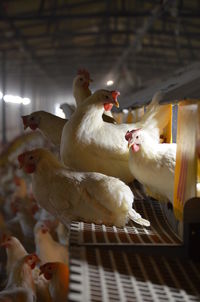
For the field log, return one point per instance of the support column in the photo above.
(22, 87)
(3, 79)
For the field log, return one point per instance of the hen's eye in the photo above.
(81, 79)
(31, 157)
(137, 136)
(107, 97)
(32, 118)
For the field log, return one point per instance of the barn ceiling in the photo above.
(45, 41)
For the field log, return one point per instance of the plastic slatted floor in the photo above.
(106, 275)
(159, 233)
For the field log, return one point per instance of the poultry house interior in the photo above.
(99, 150)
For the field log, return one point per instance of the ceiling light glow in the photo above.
(1, 95)
(9, 98)
(26, 101)
(109, 83)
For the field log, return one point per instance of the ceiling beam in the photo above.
(118, 14)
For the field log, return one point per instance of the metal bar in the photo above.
(103, 32)
(132, 48)
(3, 77)
(19, 36)
(119, 14)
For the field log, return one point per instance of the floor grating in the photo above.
(159, 233)
(107, 275)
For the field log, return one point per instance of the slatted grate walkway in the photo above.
(107, 275)
(159, 233)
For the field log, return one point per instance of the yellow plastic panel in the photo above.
(166, 133)
(186, 156)
(198, 154)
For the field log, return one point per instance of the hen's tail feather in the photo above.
(136, 217)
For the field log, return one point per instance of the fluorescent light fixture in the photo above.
(58, 111)
(1, 95)
(9, 98)
(26, 101)
(109, 83)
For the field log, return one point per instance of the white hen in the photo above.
(68, 195)
(20, 287)
(50, 125)
(58, 275)
(47, 248)
(81, 92)
(14, 250)
(90, 144)
(152, 164)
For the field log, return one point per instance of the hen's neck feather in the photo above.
(80, 94)
(14, 252)
(47, 162)
(21, 275)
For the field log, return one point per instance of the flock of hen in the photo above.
(84, 181)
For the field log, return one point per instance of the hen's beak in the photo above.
(130, 143)
(25, 121)
(115, 95)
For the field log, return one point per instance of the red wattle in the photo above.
(44, 231)
(86, 85)
(135, 148)
(30, 168)
(21, 158)
(33, 265)
(108, 106)
(48, 276)
(33, 126)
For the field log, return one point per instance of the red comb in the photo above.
(128, 135)
(115, 94)
(85, 73)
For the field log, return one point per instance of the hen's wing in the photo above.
(68, 109)
(88, 196)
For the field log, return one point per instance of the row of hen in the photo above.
(86, 179)
(29, 236)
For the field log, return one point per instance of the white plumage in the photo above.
(92, 197)
(14, 250)
(47, 248)
(20, 287)
(90, 144)
(50, 125)
(152, 164)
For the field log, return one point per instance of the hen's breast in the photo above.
(155, 171)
